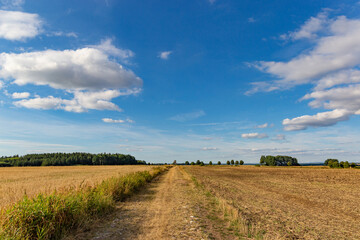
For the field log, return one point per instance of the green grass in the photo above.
(51, 216)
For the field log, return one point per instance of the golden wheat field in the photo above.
(287, 202)
(17, 181)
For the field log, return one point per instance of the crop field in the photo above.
(286, 202)
(17, 181)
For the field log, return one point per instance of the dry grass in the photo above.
(18, 181)
(288, 202)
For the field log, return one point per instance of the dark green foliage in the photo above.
(334, 163)
(210, 163)
(228, 162)
(187, 163)
(202, 164)
(68, 159)
(232, 162)
(278, 161)
(236, 162)
(198, 162)
(192, 163)
(241, 162)
(219, 163)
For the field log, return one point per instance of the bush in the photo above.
(187, 163)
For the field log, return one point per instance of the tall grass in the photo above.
(51, 216)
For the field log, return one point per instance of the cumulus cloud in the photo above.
(254, 135)
(82, 102)
(165, 55)
(188, 116)
(319, 120)
(61, 34)
(280, 137)
(332, 66)
(338, 50)
(18, 95)
(81, 69)
(15, 25)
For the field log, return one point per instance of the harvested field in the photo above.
(17, 181)
(286, 202)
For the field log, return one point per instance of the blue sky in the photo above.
(185, 80)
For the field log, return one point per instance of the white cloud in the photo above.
(81, 69)
(16, 25)
(265, 125)
(332, 65)
(319, 120)
(11, 4)
(18, 95)
(1, 84)
(311, 27)
(110, 120)
(188, 116)
(338, 50)
(60, 34)
(165, 55)
(82, 101)
(209, 148)
(212, 1)
(254, 135)
(107, 47)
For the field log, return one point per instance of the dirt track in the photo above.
(164, 210)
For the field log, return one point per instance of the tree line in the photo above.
(278, 161)
(69, 159)
(334, 163)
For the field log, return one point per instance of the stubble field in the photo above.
(286, 202)
(18, 181)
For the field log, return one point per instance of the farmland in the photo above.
(17, 181)
(210, 202)
(286, 202)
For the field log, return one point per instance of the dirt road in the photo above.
(163, 210)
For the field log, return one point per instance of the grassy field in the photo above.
(16, 181)
(286, 202)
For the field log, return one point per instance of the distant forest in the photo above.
(69, 159)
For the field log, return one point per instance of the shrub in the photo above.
(187, 163)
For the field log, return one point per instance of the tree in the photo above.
(329, 161)
(187, 163)
(346, 164)
(192, 163)
(262, 160)
(210, 163)
(236, 162)
(174, 162)
(232, 162)
(241, 162)
(353, 165)
(219, 163)
(198, 162)
(228, 162)
(202, 164)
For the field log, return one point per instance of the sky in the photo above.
(212, 80)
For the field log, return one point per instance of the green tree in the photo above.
(236, 162)
(232, 162)
(219, 163)
(187, 163)
(228, 162)
(241, 162)
(353, 165)
(198, 162)
(210, 163)
(192, 163)
(346, 164)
